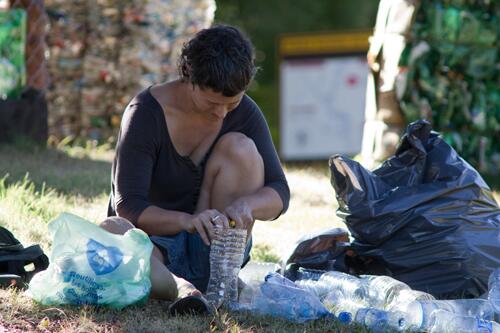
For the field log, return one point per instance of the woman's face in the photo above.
(214, 105)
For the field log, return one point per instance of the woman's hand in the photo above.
(204, 223)
(241, 213)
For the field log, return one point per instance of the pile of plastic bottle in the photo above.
(379, 302)
(278, 296)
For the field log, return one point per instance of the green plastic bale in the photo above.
(481, 62)
(445, 23)
(12, 53)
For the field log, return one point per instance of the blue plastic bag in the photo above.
(89, 265)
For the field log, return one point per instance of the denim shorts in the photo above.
(188, 257)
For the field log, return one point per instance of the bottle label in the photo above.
(484, 326)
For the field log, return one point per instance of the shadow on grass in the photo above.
(153, 317)
(65, 174)
(149, 317)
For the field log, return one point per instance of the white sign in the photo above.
(322, 106)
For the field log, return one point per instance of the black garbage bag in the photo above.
(425, 215)
(316, 250)
(315, 253)
(14, 258)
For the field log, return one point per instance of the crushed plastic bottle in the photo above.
(344, 308)
(359, 310)
(494, 290)
(442, 321)
(226, 256)
(381, 292)
(350, 286)
(277, 278)
(280, 297)
(419, 312)
(401, 300)
(318, 288)
(384, 290)
(380, 320)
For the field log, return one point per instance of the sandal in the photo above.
(11, 280)
(193, 304)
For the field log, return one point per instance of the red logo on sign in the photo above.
(352, 80)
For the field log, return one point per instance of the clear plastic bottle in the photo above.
(280, 297)
(318, 288)
(384, 290)
(226, 256)
(405, 297)
(277, 278)
(494, 290)
(349, 285)
(344, 308)
(283, 298)
(442, 321)
(419, 312)
(381, 321)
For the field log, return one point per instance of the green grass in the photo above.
(19, 314)
(70, 171)
(264, 253)
(37, 184)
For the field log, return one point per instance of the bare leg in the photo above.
(234, 169)
(164, 284)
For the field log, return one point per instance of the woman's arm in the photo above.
(136, 154)
(265, 204)
(157, 221)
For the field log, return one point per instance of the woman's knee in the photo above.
(116, 225)
(238, 148)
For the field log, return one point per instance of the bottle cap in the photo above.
(345, 317)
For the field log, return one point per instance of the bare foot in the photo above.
(186, 288)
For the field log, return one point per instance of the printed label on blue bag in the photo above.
(86, 289)
(484, 326)
(73, 297)
(103, 259)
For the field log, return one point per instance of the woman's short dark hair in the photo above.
(220, 58)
